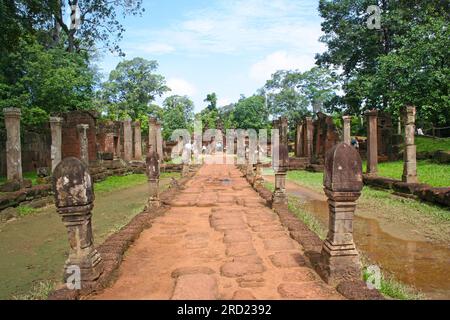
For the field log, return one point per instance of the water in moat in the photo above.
(421, 264)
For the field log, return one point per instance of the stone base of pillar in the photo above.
(279, 198)
(410, 179)
(153, 204)
(339, 263)
(90, 267)
(185, 170)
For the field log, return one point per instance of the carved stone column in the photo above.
(56, 130)
(74, 200)
(309, 138)
(153, 172)
(372, 142)
(127, 140)
(298, 141)
(13, 144)
(410, 160)
(137, 141)
(347, 129)
(279, 196)
(84, 143)
(342, 185)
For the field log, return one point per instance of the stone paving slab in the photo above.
(217, 241)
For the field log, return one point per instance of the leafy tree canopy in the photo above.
(131, 88)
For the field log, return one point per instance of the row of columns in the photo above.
(131, 132)
(74, 200)
(342, 184)
(410, 152)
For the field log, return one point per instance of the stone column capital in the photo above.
(83, 127)
(56, 120)
(12, 112)
(371, 113)
(347, 118)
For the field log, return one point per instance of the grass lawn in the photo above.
(34, 247)
(425, 144)
(434, 174)
(28, 175)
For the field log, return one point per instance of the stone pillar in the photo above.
(342, 185)
(13, 144)
(153, 171)
(159, 142)
(258, 180)
(372, 142)
(74, 200)
(152, 141)
(249, 165)
(137, 141)
(279, 196)
(127, 140)
(298, 141)
(84, 143)
(55, 128)
(309, 137)
(410, 161)
(347, 129)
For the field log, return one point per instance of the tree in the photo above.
(44, 82)
(212, 100)
(98, 21)
(359, 51)
(251, 113)
(178, 113)
(131, 88)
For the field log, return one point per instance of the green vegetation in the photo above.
(391, 288)
(382, 201)
(27, 175)
(425, 144)
(436, 175)
(40, 291)
(312, 180)
(34, 247)
(308, 219)
(25, 210)
(116, 183)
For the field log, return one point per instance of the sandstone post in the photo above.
(152, 141)
(13, 144)
(84, 143)
(342, 184)
(347, 129)
(159, 142)
(74, 200)
(56, 131)
(309, 137)
(153, 172)
(410, 161)
(372, 142)
(127, 140)
(279, 197)
(137, 141)
(298, 140)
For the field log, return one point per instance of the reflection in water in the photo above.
(420, 264)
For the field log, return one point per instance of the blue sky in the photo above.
(230, 47)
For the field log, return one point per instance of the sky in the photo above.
(230, 47)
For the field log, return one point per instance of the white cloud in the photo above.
(280, 60)
(236, 26)
(223, 102)
(152, 48)
(181, 87)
